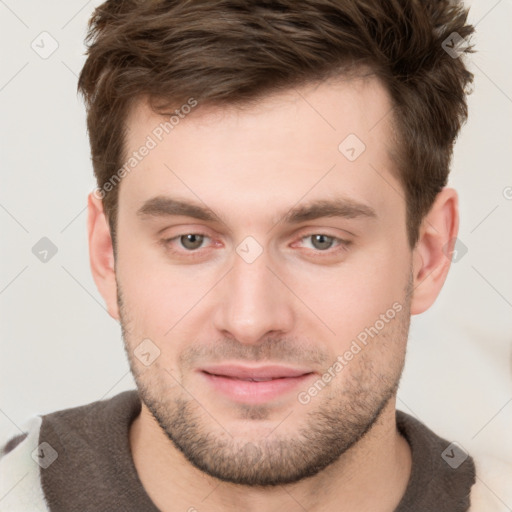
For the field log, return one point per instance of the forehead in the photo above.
(360, 103)
(319, 139)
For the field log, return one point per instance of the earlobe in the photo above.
(432, 254)
(101, 254)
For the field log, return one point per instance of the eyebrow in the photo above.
(162, 206)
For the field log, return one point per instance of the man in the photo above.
(271, 209)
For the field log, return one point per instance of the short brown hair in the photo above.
(224, 52)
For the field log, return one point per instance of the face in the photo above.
(263, 277)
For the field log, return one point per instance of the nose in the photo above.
(253, 302)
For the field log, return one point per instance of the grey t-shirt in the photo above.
(94, 470)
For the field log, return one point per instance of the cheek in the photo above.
(144, 290)
(352, 297)
(158, 296)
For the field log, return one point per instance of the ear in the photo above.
(101, 254)
(432, 254)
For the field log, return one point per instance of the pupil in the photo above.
(192, 241)
(322, 240)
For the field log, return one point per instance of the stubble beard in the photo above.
(335, 423)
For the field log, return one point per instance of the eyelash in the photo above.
(342, 245)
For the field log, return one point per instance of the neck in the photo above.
(381, 461)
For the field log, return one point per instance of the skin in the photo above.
(300, 303)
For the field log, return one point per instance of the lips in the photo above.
(255, 385)
(255, 374)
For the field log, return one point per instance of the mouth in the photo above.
(254, 384)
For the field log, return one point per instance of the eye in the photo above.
(190, 241)
(322, 242)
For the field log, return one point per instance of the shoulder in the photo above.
(63, 448)
(492, 490)
(20, 482)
